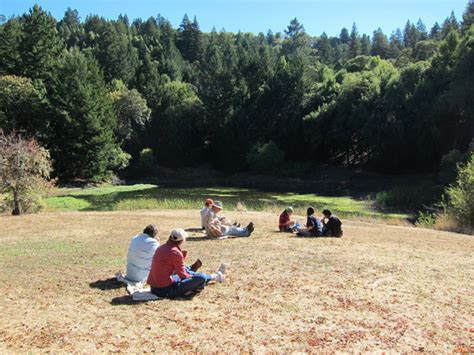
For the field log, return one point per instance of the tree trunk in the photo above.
(16, 204)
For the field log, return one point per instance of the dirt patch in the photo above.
(377, 288)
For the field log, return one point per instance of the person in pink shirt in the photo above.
(170, 277)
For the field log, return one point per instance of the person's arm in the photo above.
(179, 266)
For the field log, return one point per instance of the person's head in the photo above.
(310, 211)
(289, 210)
(178, 236)
(209, 202)
(217, 206)
(151, 230)
(327, 213)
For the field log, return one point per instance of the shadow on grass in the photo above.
(108, 284)
(127, 300)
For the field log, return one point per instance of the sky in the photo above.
(256, 16)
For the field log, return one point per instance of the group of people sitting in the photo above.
(164, 268)
(326, 226)
(218, 226)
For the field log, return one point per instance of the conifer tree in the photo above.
(354, 45)
(83, 145)
(40, 44)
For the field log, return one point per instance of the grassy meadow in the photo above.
(379, 288)
(148, 196)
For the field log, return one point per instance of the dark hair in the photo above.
(151, 230)
(326, 212)
(310, 211)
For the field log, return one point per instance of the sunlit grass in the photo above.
(147, 196)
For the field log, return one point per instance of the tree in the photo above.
(23, 108)
(25, 168)
(83, 145)
(450, 24)
(354, 45)
(468, 17)
(71, 29)
(295, 37)
(10, 37)
(40, 45)
(189, 40)
(344, 36)
(461, 193)
(380, 44)
(132, 115)
(435, 32)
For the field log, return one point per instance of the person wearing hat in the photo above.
(218, 226)
(206, 213)
(169, 277)
(285, 224)
(140, 254)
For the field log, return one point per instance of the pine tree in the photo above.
(435, 32)
(84, 146)
(344, 36)
(421, 29)
(10, 37)
(365, 45)
(40, 44)
(380, 44)
(450, 24)
(71, 29)
(324, 49)
(354, 45)
(468, 17)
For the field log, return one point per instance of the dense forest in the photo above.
(103, 95)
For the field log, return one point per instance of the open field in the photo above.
(377, 288)
(148, 196)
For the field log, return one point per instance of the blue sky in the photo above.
(260, 15)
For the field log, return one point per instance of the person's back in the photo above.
(140, 255)
(314, 225)
(167, 260)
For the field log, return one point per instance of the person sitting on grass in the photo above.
(313, 225)
(170, 278)
(285, 224)
(206, 213)
(140, 254)
(331, 225)
(218, 227)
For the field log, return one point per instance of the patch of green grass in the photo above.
(41, 249)
(146, 196)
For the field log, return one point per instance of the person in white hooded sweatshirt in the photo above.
(140, 254)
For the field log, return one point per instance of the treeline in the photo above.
(97, 93)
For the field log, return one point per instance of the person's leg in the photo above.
(206, 277)
(304, 233)
(237, 231)
(190, 286)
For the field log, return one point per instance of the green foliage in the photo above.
(146, 161)
(265, 157)
(25, 168)
(461, 194)
(406, 198)
(84, 145)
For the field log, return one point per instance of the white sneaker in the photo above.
(219, 277)
(222, 268)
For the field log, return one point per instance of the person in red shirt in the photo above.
(169, 276)
(285, 224)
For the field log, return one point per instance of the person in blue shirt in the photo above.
(140, 253)
(314, 228)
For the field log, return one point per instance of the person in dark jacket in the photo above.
(313, 225)
(331, 225)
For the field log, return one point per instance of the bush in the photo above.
(461, 196)
(146, 161)
(265, 157)
(407, 199)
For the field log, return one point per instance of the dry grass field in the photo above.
(378, 288)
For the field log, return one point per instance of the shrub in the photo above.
(265, 157)
(146, 161)
(24, 172)
(461, 196)
(406, 198)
